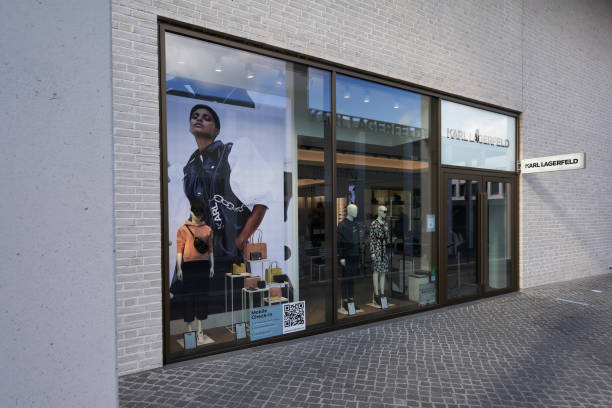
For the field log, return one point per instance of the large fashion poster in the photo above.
(228, 185)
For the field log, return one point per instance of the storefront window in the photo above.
(385, 204)
(246, 200)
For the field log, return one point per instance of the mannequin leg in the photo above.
(382, 284)
(201, 337)
(375, 279)
(354, 272)
(202, 301)
(189, 298)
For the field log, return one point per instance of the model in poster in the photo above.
(380, 243)
(230, 183)
(349, 245)
(195, 267)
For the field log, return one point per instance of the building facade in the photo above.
(342, 111)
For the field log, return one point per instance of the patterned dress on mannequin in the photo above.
(380, 240)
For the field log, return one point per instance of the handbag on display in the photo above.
(255, 256)
(198, 243)
(239, 269)
(273, 271)
(275, 294)
(280, 278)
(251, 283)
(261, 284)
(252, 246)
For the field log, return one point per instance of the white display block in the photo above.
(414, 283)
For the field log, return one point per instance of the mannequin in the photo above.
(349, 245)
(195, 270)
(380, 243)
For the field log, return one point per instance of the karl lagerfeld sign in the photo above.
(476, 137)
(553, 163)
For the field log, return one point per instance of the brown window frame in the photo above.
(172, 26)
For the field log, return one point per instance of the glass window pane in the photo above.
(313, 130)
(233, 121)
(499, 235)
(473, 137)
(462, 239)
(385, 192)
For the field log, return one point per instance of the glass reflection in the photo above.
(237, 181)
(462, 237)
(499, 244)
(385, 191)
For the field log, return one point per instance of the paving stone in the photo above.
(525, 349)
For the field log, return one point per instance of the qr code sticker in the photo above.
(294, 317)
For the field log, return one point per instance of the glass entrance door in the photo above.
(498, 248)
(477, 235)
(462, 237)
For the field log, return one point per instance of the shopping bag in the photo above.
(273, 271)
(251, 283)
(254, 245)
(238, 269)
(275, 294)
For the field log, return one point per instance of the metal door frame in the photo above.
(482, 176)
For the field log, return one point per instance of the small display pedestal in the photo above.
(248, 293)
(252, 264)
(231, 278)
(414, 283)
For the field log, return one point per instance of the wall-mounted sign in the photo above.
(473, 137)
(553, 163)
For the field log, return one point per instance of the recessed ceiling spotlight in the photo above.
(180, 62)
(190, 89)
(395, 105)
(249, 70)
(366, 99)
(218, 66)
(347, 95)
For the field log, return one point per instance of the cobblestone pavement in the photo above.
(525, 349)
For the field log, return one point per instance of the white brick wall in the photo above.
(567, 216)
(472, 48)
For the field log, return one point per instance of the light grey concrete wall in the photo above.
(567, 216)
(57, 292)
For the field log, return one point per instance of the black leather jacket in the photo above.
(349, 239)
(207, 180)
